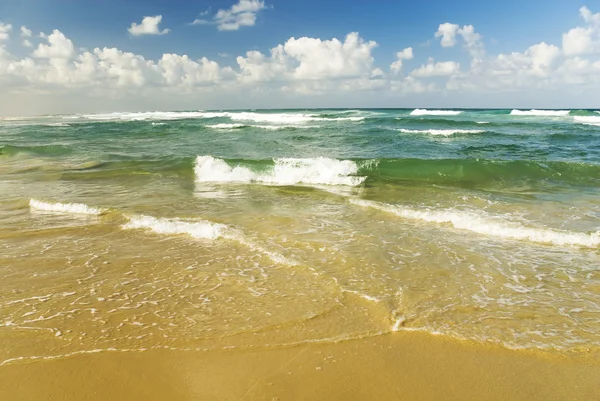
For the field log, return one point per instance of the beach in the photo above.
(301, 254)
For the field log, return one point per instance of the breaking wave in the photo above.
(441, 132)
(284, 171)
(486, 225)
(540, 113)
(66, 208)
(425, 112)
(587, 120)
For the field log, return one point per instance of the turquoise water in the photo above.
(479, 224)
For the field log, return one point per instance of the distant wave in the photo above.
(481, 224)
(285, 171)
(226, 126)
(441, 132)
(425, 112)
(67, 208)
(540, 113)
(292, 118)
(587, 120)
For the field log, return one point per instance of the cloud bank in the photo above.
(302, 71)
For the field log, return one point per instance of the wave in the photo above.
(425, 112)
(142, 116)
(67, 208)
(196, 229)
(39, 150)
(587, 120)
(487, 225)
(201, 229)
(442, 132)
(284, 171)
(292, 118)
(540, 113)
(227, 126)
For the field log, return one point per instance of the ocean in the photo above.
(253, 229)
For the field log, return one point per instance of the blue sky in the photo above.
(507, 27)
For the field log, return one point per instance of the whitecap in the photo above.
(441, 132)
(587, 120)
(425, 112)
(285, 171)
(196, 229)
(540, 113)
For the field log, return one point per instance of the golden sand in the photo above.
(397, 366)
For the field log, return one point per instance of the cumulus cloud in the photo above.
(441, 69)
(149, 26)
(406, 54)
(342, 69)
(583, 40)
(26, 33)
(5, 31)
(243, 13)
(59, 46)
(472, 40)
(27, 43)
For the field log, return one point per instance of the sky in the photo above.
(69, 56)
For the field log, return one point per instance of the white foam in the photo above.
(540, 113)
(286, 118)
(442, 132)
(68, 208)
(226, 126)
(425, 112)
(488, 225)
(587, 120)
(150, 115)
(201, 229)
(196, 229)
(285, 171)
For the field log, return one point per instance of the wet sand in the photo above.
(396, 366)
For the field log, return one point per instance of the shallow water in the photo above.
(252, 229)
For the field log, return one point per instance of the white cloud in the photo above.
(447, 32)
(406, 54)
(583, 40)
(472, 40)
(27, 43)
(5, 31)
(26, 33)
(441, 69)
(239, 15)
(149, 26)
(59, 46)
(332, 71)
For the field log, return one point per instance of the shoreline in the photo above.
(402, 366)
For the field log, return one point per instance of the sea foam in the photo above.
(487, 225)
(285, 171)
(425, 112)
(442, 132)
(587, 120)
(540, 113)
(201, 229)
(67, 208)
(196, 229)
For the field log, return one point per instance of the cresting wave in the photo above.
(425, 112)
(225, 126)
(485, 225)
(285, 171)
(441, 132)
(540, 113)
(66, 208)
